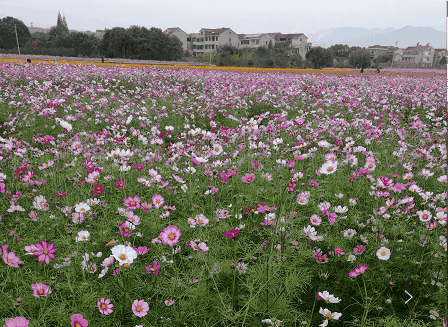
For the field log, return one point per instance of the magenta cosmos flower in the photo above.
(158, 201)
(120, 184)
(105, 306)
(132, 202)
(40, 289)
(248, 178)
(170, 235)
(140, 308)
(17, 322)
(233, 233)
(11, 259)
(77, 320)
(98, 189)
(45, 252)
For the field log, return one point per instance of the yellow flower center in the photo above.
(126, 265)
(9, 261)
(84, 237)
(103, 306)
(122, 256)
(82, 209)
(158, 201)
(111, 242)
(171, 236)
(45, 251)
(41, 292)
(138, 309)
(383, 253)
(132, 203)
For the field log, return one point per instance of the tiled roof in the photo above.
(214, 31)
(170, 30)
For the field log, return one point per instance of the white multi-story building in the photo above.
(208, 40)
(181, 35)
(255, 40)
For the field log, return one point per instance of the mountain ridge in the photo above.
(363, 37)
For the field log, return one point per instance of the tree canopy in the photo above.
(8, 34)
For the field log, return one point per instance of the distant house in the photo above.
(255, 40)
(208, 40)
(439, 53)
(181, 35)
(379, 50)
(300, 45)
(417, 56)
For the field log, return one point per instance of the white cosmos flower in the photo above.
(83, 236)
(66, 125)
(329, 167)
(125, 168)
(383, 253)
(329, 297)
(82, 207)
(124, 254)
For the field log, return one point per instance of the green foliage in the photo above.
(443, 61)
(8, 33)
(383, 59)
(320, 57)
(359, 57)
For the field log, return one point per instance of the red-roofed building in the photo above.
(255, 40)
(416, 56)
(380, 50)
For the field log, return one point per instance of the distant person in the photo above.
(357, 67)
(28, 60)
(362, 70)
(377, 70)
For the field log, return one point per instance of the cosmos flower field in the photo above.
(140, 196)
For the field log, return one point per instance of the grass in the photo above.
(282, 276)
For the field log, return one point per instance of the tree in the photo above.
(359, 57)
(115, 43)
(320, 57)
(443, 61)
(8, 33)
(296, 61)
(270, 45)
(175, 50)
(281, 60)
(383, 58)
(339, 50)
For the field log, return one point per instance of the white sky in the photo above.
(242, 16)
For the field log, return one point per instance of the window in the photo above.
(300, 39)
(266, 42)
(213, 46)
(244, 41)
(216, 38)
(257, 42)
(188, 39)
(230, 40)
(229, 32)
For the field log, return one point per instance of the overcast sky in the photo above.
(242, 16)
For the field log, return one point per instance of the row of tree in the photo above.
(152, 44)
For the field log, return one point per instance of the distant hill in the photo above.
(363, 37)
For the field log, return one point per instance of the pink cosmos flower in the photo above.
(338, 251)
(139, 166)
(45, 252)
(77, 320)
(11, 259)
(30, 249)
(170, 235)
(132, 202)
(248, 178)
(33, 216)
(145, 206)
(126, 228)
(233, 233)
(158, 201)
(16, 196)
(120, 184)
(154, 268)
(2, 187)
(140, 308)
(60, 193)
(40, 289)
(104, 306)
(17, 322)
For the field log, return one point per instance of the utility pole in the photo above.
(17, 38)
(396, 42)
